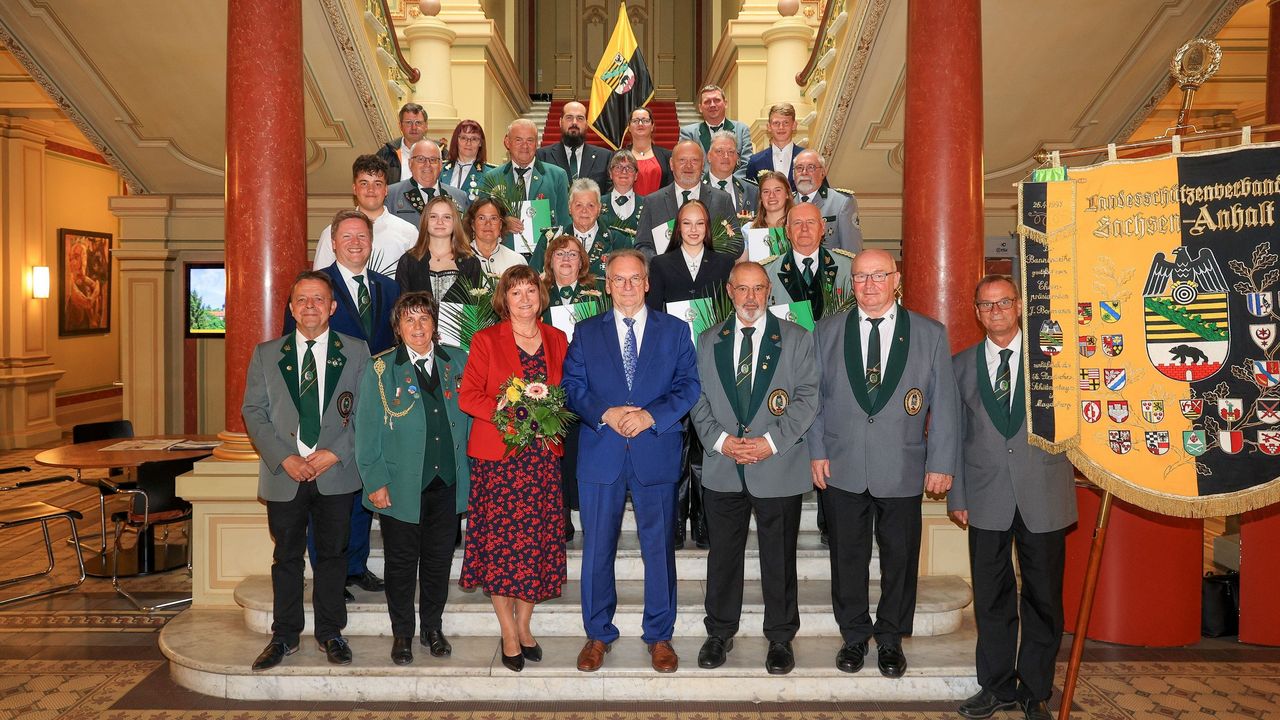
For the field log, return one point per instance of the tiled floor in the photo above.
(88, 655)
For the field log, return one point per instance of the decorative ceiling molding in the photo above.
(19, 51)
(370, 101)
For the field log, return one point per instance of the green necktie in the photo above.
(686, 194)
(431, 194)
(364, 306)
(742, 379)
(873, 358)
(566, 292)
(522, 188)
(309, 400)
(808, 271)
(723, 183)
(1002, 380)
(574, 163)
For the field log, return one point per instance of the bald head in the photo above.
(875, 278)
(686, 163)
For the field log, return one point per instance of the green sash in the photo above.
(766, 364)
(1008, 427)
(853, 364)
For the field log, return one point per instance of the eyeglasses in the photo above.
(624, 169)
(414, 123)
(1002, 303)
(753, 289)
(469, 138)
(879, 277)
(565, 255)
(627, 281)
(641, 121)
(806, 168)
(799, 223)
(424, 160)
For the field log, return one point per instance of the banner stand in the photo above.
(1086, 605)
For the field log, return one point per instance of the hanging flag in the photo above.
(621, 84)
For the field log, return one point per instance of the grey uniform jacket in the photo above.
(661, 205)
(402, 200)
(1000, 474)
(271, 414)
(784, 401)
(886, 450)
(840, 212)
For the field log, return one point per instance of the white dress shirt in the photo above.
(528, 178)
(693, 262)
(728, 187)
(319, 351)
(695, 193)
(353, 287)
(429, 357)
(993, 361)
(816, 266)
(502, 258)
(460, 172)
(886, 336)
(404, 160)
(392, 237)
(756, 342)
(782, 157)
(586, 238)
(640, 317)
(624, 211)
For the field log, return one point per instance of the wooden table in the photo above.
(144, 559)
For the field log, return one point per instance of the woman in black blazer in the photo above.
(670, 276)
(441, 256)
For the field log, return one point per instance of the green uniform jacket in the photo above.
(391, 429)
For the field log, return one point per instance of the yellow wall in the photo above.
(75, 196)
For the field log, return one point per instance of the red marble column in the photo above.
(942, 202)
(1260, 530)
(266, 196)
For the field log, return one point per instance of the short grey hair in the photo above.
(724, 135)
(822, 162)
(632, 253)
(585, 185)
(522, 122)
(622, 156)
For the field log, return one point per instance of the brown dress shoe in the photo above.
(664, 657)
(591, 657)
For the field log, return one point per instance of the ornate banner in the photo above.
(1151, 323)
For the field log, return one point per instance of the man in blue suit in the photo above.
(364, 299)
(781, 153)
(631, 375)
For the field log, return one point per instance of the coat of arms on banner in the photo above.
(1266, 373)
(1110, 311)
(1088, 345)
(1153, 411)
(1118, 410)
(1193, 441)
(1157, 441)
(1185, 314)
(1230, 409)
(1191, 408)
(1121, 441)
(1264, 335)
(1050, 337)
(1230, 441)
(1268, 411)
(1269, 442)
(1084, 313)
(1112, 345)
(1089, 378)
(1091, 410)
(1115, 378)
(1259, 303)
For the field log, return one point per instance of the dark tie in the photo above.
(629, 355)
(873, 358)
(722, 184)
(742, 379)
(1002, 380)
(521, 188)
(431, 194)
(620, 200)
(805, 198)
(573, 164)
(309, 400)
(425, 377)
(686, 194)
(808, 271)
(566, 292)
(364, 306)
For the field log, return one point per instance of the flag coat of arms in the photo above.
(1089, 379)
(1112, 345)
(1185, 314)
(1153, 411)
(1088, 345)
(1050, 337)
(1110, 311)
(1091, 410)
(1266, 373)
(1258, 303)
(1118, 410)
(1084, 313)
(1230, 442)
(1157, 441)
(1268, 411)
(621, 84)
(1121, 441)
(1269, 442)
(1264, 335)
(1193, 441)
(1115, 378)
(1191, 408)
(1230, 409)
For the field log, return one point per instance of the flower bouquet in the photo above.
(531, 411)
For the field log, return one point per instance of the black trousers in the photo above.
(777, 527)
(689, 493)
(1000, 609)
(418, 558)
(896, 522)
(287, 521)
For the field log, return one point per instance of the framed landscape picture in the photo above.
(84, 282)
(206, 292)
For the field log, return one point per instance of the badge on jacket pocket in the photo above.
(778, 401)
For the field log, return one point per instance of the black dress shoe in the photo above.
(514, 663)
(569, 532)
(1035, 710)
(851, 656)
(347, 596)
(337, 650)
(700, 537)
(679, 539)
(367, 581)
(272, 655)
(891, 660)
(402, 650)
(780, 660)
(715, 650)
(532, 653)
(984, 705)
(825, 540)
(436, 642)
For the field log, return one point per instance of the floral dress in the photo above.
(515, 519)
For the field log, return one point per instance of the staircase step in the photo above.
(939, 603)
(813, 560)
(210, 651)
(665, 116)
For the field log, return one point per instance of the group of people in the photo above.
(359, 409)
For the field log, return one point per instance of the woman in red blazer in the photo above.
(515, 519)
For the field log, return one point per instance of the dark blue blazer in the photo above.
(763, 160)
(383, 291)
(666, 384)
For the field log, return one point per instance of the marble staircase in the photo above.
(210, 649)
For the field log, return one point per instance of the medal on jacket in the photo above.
(346, 401)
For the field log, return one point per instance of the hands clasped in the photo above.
(627, 420)
(746, 451)
(309, 468)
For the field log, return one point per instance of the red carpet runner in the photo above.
(666, 125)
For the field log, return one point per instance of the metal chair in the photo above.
(43, 513)
(155, 506)
(90, 432)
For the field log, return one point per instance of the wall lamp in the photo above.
(40, 282)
